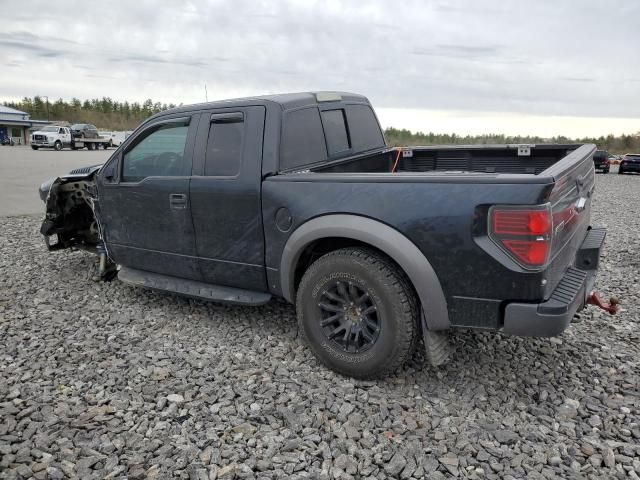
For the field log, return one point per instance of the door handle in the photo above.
(178, 201)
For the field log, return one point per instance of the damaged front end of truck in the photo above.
(71, 216)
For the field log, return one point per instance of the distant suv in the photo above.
(630, 163)
(601, 161)
(84, 130)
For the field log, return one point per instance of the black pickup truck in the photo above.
(298, 196)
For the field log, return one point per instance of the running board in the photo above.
(192, 288)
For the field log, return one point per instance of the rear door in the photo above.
(225, 197)
(145, 210)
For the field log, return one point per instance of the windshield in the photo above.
(50, 129)
(77, 126)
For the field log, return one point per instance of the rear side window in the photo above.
(335, 131)
(363, 128)
(224, 148)
(303, 140)
(159, 154)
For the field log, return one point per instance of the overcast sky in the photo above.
(537, 67)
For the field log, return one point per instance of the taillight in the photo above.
(525, 233)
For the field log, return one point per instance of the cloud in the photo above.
(578, 79)
(528, 58)
(32, 48)
(157, 59)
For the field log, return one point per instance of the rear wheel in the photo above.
(620, 171)
(34, 147)
(358, 313)
(90, 146)
(57, 145)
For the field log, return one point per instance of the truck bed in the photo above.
(492, 159)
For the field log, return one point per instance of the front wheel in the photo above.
(620, 171)
(34, 147)
(358, 313)
(57, 145)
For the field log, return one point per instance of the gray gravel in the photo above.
(102, 380)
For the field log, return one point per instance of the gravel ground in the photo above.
(102, 380)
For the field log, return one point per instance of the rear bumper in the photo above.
(552, 317)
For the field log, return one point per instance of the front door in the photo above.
(65, 135)
(225, 197)
(144, 205)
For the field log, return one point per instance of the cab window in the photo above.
(335, 131)
(303, 142)
(159, 154)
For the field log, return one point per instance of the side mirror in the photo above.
(109, 172)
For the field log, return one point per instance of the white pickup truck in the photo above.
(51, 136)
(58, 137)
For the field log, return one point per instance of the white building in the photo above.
(15, 124)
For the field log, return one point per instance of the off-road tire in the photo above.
(57, 146)
(396, 311)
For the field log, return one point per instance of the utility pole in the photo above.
(47, 106)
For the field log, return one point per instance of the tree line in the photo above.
(109, 114)
(614, 144)
(104, 113)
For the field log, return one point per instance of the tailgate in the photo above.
(574, 178)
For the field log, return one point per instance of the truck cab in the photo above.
(51, 136)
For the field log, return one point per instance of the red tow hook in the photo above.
(611, 307)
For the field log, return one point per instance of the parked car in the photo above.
(601, 161)
(630, 163)
(298, 196)
(115, 138)
(106, 136)
(51, 136)
(84, 130)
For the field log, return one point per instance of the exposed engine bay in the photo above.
(71, 219)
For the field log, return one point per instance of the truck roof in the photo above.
(286, 101)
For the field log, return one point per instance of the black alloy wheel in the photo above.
(349, 317)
